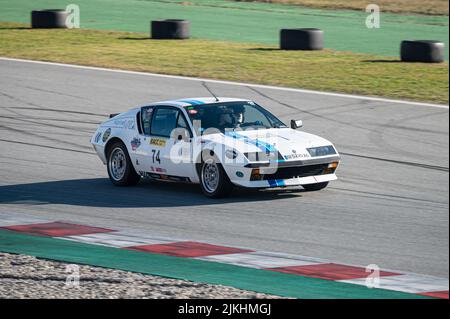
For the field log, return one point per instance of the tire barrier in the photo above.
(422, 51)
(170, 29)
(301, 39)
(51, 18)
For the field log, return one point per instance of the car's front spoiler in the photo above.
(282, 163)
(286, 182)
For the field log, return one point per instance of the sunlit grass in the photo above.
(320, 70)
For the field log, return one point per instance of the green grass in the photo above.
(326, 70)
(248, 22)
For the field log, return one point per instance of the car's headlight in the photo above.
(263, 156)
(321, 151)
(256, 156)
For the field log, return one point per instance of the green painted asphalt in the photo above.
(189, 269)
(249, 22)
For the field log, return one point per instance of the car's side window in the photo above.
(164, 121)
(181, 122)
(139, 122)
(183, 125)
(146, 119)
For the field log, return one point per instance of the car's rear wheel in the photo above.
(315, 187)
(214, 180)
(120, 169)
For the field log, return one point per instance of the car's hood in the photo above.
(291, 144)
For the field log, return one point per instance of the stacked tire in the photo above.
(301, 39)
(175, 29)
(428, 51)
(48, 19)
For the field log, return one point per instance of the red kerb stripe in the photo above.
(188, 249)
(436, 294)
(329, 271)
(57, 229)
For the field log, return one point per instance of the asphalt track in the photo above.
(390, 206)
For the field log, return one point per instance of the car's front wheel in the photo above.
(120, 169)
(315, 187)
(214, 180)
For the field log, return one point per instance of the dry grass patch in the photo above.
(432, 7)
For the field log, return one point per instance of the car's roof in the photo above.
(198, 101)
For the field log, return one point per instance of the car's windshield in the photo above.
(232, 115)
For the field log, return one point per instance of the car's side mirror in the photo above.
(295, 124)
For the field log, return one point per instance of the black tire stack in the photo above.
(428, 51)
(50, 18)
(175, 29)
(301, 39)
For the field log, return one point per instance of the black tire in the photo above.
(315, 187)
(422, 51)
(129, 176)
(52, 18)
(170, 29)
(301, 39)
(224, 185)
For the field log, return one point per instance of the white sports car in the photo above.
(215, 142)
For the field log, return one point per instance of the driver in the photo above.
(238, 115)
(231, 117)
(226, 119)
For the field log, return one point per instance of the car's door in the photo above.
(166, 142)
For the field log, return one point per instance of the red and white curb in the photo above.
(285, 263)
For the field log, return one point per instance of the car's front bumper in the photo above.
(287, 182)
(286, 173)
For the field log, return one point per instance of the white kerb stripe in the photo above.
(410, 283)
(15, 220)
(261, 260)
(119, 239)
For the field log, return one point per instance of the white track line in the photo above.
(350, 96)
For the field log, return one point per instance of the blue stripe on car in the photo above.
(276, 183)
(281, 183)
(267, 147)
(272, 183)
(192, 102)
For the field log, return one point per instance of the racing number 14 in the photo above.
(155, 156)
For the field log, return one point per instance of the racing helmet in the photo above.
(238, 114)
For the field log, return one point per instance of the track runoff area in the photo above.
(267, 272)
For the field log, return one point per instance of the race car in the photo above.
(219, 143)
